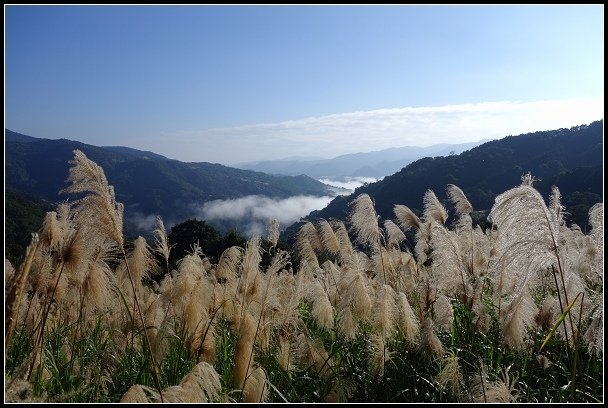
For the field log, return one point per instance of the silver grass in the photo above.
(393, 233)
(450, 377)
(17, 288)
(594, 335)
(596, 219)
(384, 311)
(161, 242)
(346, 247)
(346, 323)
(141, 261)
(137, 394)
(423, 237)
(9, 274)
(256, 390)
(285, 355)
(406, 319)
(307, 252)
(526, 241)
(322, 310)
(203, 382)
(557, 209)
(99, 209)
(429, 340)
(519, 316)
(100, 280)
(227, 266)
(331, 278)
(433, 209)
(201, 385)
(451, 274)
(379, 354)
(312, 354)
(503, 389)
(309, 233)
(357, 295)
(443, 313)
(460, 201)
(329, 240)
(51, 230)
(406, 217)
(364, 220)
(384, 267)
(273, 232)
(250, 266)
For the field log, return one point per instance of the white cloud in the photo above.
(143, 221)
(348, 183)
(365, 131)
(258, 210)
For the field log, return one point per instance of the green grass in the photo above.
(89, 367)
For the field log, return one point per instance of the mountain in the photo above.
(375, 164)
(146, 183)
(10, 136)
(571, 159)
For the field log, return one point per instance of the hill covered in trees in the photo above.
(147, 183)
(571, 159)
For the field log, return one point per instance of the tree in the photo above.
(188, 233)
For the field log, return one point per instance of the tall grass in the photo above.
(510, 314)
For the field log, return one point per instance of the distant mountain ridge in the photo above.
(147, 183)
(571, 159)
(375, 164)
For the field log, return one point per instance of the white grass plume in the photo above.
(433, 209)
(394, 234)
(228, 264)
(526, 241)
(256, 390)
(364, 220)
(450, 377)
(406, 217)
(100, 210)
(309, 233)
(329, 240)
(273, 232)
(346, 247)
(161, 242)
(460, 201)
(406, 319)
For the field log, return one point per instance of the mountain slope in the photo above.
(145, 182)
(572, 159)
(372, 164)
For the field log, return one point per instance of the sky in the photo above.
(234, 84)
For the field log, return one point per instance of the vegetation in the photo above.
(145, 182)
(22, 215)
(510, 313)
(571, 159)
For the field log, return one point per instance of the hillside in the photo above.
(571, 159)
(145, 182)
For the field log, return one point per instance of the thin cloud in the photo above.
(364, 131)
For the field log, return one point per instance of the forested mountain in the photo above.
(571, 159)
(146, 183)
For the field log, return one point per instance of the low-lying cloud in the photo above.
(348, 183)
(257, 210)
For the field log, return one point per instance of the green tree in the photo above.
(186, 234)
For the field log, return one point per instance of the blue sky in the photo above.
(232, 84)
